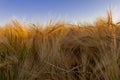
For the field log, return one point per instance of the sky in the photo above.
(44, 10)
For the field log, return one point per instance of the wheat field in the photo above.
(60, 51)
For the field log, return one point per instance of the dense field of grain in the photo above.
(60, 51)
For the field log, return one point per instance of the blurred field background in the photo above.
(60, 51)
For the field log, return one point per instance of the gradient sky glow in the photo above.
(44, 10)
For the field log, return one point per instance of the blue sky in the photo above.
(44, 10)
